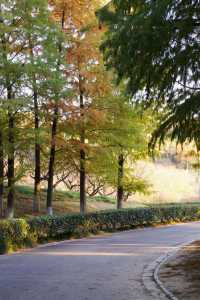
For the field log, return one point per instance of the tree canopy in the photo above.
(154, 46)
(62, 119)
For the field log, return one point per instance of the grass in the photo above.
(170, 185)
(68, 202)
(62, 195)
(64, 202)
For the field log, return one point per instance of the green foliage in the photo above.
(125, 131)
(18, 233)
(49, 61)
(13, 234)
(61, 195)
(105, 199)
(154, 46)
(25, 190)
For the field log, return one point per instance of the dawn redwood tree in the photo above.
(57, 86)
(40, 34)
(120, 141)
(92, 84)
(83, 56)
(1, 170)
(128, 144)
(154, 46)
(11, 68)
(28, 56)
(3, 129)
(120, 188)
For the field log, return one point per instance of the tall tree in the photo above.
(154, 45)
(82, 55)
(126, 138)
(58, 87)
(11, 67)
(117, 140)
(28, 51)
(2, 127)
(39, 30)
(120, 188)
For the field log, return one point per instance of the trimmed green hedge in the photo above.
(13, 235)
(18, 233)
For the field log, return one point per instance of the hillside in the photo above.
(169, 184)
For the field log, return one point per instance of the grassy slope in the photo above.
(64, 202)
(169, 185)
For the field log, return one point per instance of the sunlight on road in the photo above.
(85, 254)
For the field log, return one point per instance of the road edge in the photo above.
(150, 277)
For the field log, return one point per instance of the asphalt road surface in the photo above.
(102, 268)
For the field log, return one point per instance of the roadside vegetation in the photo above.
(20, 233)
(90, 93)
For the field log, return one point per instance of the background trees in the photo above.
(62, 118)
(123, 141)
(28, 43)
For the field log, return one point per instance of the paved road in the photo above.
(101, 268)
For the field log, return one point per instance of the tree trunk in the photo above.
(120, 189)
(11, 161)
(36, 199)
(82, 160)
(37, 175)
(52, 162)
(53, 142)
(1, 174)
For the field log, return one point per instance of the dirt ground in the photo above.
(181, 274)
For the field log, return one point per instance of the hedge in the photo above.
(18, 233)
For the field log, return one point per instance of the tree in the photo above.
(124, 140)
(83, 56)
(58, 90)
(154, 46)
(12, 44)
(116, 138)
(40, 34)
(2, 156)
(28, 54)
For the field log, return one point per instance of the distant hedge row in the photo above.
(19, 233)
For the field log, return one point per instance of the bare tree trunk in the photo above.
(11, 160)
(1, 173)
(37, 175)
(82, 182)
(36, 200)
(120, 189)
(82, 160)
(53, 143)
(52, 162)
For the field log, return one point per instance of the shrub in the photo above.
(19, 233)
(13, 234)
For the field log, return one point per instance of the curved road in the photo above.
(101, 268)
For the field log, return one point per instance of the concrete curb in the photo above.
(151, 279)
